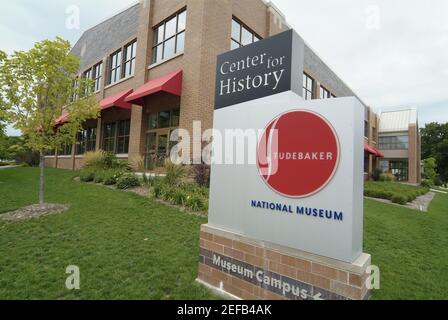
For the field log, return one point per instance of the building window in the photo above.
(97, 74)
(115, 67)
(124, 130)
(116, 137)
(394, 143)
(129, 59)
(164, 119)
(169, 37)
(400, 169)
(242, 35)
(324, 93)
(86, 141)
(308, 87)
(74, 93)
(87, 75)
(109, 137)
(161, 125)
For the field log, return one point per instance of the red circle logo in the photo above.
(298, 154)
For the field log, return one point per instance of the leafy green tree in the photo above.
(435, 145)
(35, 90)
(9, 147)
(430, 167)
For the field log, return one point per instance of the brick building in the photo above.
(400, 143)
(154, 70)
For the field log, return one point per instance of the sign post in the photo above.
(286, 217)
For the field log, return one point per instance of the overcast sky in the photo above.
(392, 53)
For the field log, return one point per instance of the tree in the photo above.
(9, 146)
(35, 89)
(430, 167)
(435, 145)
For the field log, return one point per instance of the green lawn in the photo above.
(126, 246)
(129, 247)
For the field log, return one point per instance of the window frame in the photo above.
(86, 140)
(305, 89)
(116, 70)
(131, 60)
(324, 93)
(116, 137)
(393, 142)
(239, 41)
(161, 44)
(97, 75)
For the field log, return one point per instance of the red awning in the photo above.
(117, 100)
(373, 151)
(170, 83)
(62, 119)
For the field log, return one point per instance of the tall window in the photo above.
(124, 129)
(308, 87)
(97, 74)
(169, 37)
(74, 94)
(109, 137)
(394, 143)
(129, 59)
(86, 141)
(115, 67)
(241, 35)
(324, 93)
(87, 76)
(116, 137)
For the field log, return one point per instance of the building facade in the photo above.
(154, 68)
(399, 142)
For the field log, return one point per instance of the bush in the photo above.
(438, 181)
(387, 177)
(28, 157)
(174, 173)
(99, 177)
(93, 159)
(426, 183)
(201, 174)
(104, 161)
(87, 176)
(127, 181)
(196, 202)
(399, 199)
(111, 177)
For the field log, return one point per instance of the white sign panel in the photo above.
(301, 182)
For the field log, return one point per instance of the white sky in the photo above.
(392, 53)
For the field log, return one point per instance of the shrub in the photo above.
(201, 174)
(196, 202)
(111, 177)
(28, 157)
(87, 176)
(179, 197)
(93, 159)
(426, 183)
(174, 173)
(127, 181)
(99, 177)
(137, 163)
(387, 177)
(399, 199)
(438, 181)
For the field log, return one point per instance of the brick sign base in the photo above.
(253, 270)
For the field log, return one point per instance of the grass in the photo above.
(396, 192)
(128, 247)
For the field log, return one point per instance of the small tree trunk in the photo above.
(41, 179)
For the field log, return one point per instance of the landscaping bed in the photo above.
(396, 192)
